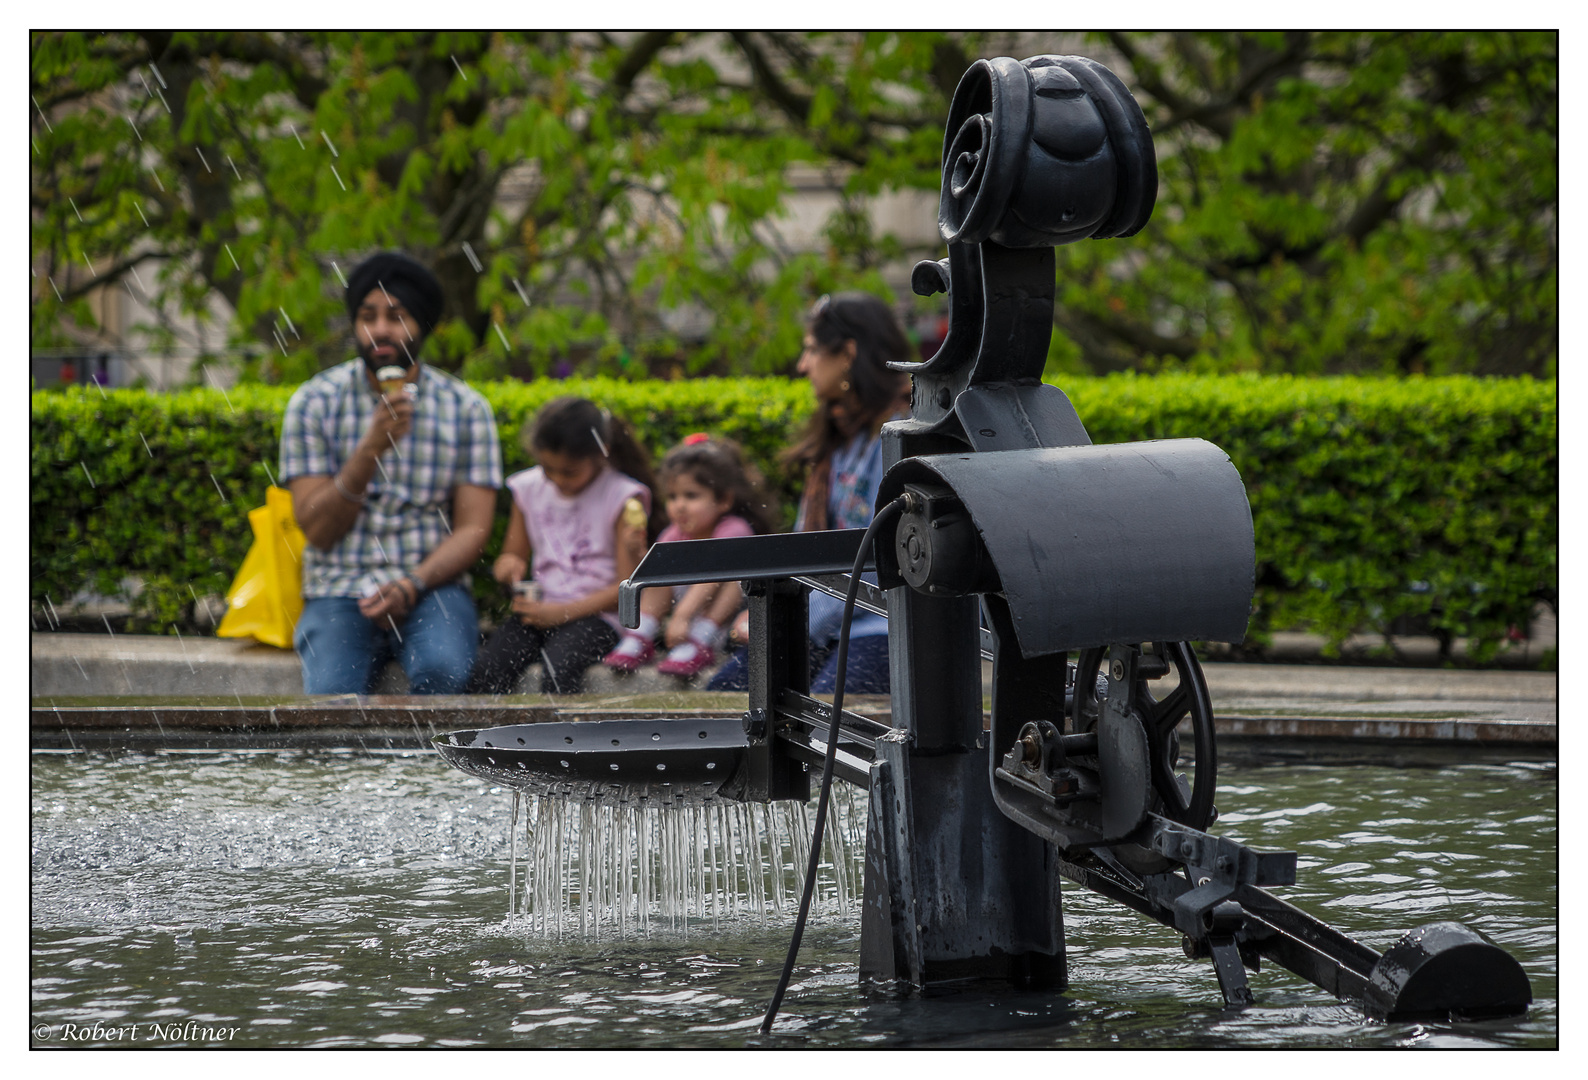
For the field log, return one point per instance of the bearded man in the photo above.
(393, 468)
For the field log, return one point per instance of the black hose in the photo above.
(882, 515)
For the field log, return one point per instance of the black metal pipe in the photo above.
(883, 515)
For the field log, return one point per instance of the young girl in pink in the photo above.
(710, 493)
(581, 518)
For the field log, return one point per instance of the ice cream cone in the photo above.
(391, 378)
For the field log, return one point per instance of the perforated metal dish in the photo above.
(671, 759)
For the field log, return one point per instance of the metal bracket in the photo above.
(1231, 972)
(1216, 864)
(801, 728)
(741, 558)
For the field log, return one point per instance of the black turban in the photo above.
(405, 280)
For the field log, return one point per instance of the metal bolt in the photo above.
(755, 724)
(1117, 670)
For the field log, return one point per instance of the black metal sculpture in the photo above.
(1007, 515)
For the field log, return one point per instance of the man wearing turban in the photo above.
(393, 468)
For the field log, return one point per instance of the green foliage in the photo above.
(609, 186)
(1381, 203)
(1373, 500)
(1373, 202)
(158, 487)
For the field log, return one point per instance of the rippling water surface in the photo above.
(330, 900)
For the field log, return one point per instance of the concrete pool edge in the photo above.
(407, 723)
(143, 691)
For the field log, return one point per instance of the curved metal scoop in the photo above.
(666, 760)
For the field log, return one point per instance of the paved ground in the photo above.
(1312, 688)
(67, 665)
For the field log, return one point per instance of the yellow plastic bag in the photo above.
(266, 597)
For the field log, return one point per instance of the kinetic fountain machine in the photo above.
(1081, 571)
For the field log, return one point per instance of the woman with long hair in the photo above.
(850, 338)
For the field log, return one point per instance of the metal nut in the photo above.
(755, 724)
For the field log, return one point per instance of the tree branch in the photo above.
(949, 64)
(110, 276)
(795, 106)
(639, 56)
(250, 48)
(1149, 76)
(1141, 338)
(1214, 114)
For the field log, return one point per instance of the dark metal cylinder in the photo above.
(1096, 545)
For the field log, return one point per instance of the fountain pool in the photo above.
(341, 899)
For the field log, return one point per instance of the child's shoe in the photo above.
(687, 660)
(632, 653)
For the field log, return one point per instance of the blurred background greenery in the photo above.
(665, 204)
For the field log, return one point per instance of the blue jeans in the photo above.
(866, 671)
(343, 652)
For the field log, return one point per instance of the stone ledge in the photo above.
(148, 665)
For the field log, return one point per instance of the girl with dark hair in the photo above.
(581, 516)
(850, 339)
(711, 493)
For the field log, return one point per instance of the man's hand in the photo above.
(394, 601)
(327, 506)
(394, 415)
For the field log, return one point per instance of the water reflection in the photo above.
(333, 900)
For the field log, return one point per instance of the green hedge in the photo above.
(158, 486)
(1428, 502)
(1375, 501)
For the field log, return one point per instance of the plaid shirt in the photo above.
(407, 513)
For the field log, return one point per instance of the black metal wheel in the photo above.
(1187, 802)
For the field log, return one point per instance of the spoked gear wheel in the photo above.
(1189, 803)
